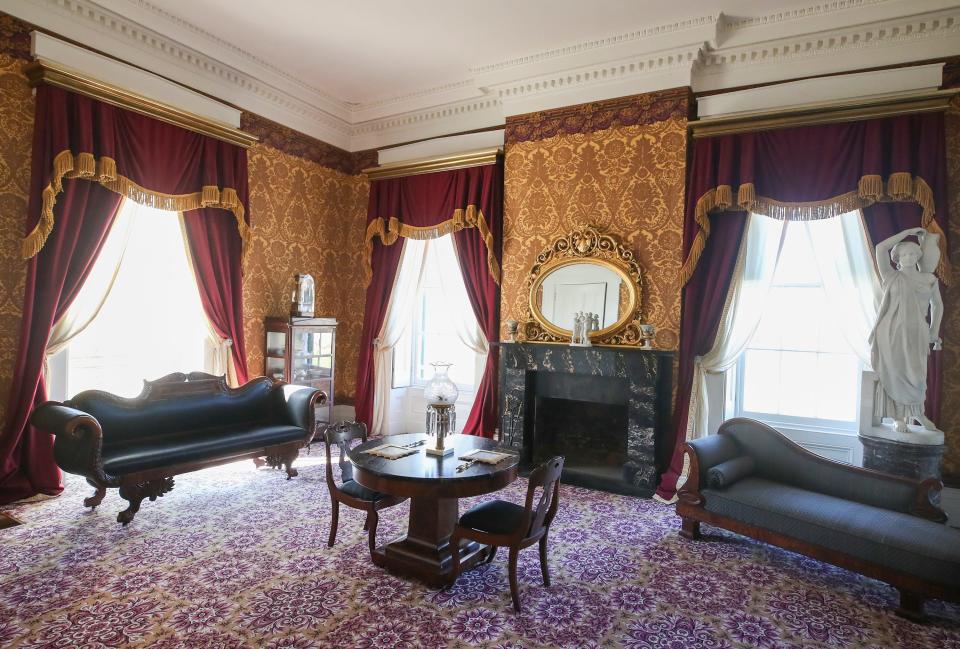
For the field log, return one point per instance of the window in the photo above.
(152, 322)
(798, 368)
(432, 334)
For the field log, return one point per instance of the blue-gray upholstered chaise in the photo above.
(754, 481)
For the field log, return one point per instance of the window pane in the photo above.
(761, 379)
(152, 323)
(798, 383)
(837, 386)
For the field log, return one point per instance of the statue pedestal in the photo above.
(919, 461)
(916, 453)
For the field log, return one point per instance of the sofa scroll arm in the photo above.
(79, 439)
(689, 493)
(298, 403)
(924, 506)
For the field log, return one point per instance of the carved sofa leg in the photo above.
(911, 607)
(284, 460)
(97, 496)
(690, 529)
(135, 493)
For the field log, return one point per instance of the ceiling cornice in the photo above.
(707, 53)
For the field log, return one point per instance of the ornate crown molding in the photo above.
(708, 52)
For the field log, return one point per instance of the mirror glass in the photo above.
(582, 286)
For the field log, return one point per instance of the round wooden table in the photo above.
(434, 487)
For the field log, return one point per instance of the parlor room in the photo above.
(548, 324)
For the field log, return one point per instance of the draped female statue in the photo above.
(908, 323)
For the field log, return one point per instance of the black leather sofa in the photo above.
(179, 423)
(752, 480)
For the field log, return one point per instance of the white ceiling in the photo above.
(368, 51)
(363, 74)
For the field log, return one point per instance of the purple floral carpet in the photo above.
(237, 557)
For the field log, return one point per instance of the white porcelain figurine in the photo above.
(902, 336)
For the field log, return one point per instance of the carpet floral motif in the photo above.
(236, 557)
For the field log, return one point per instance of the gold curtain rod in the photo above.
(42, 71)
(430, 165)
(825, 113)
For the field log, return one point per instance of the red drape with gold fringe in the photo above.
(87, 157)
(465, 202)
(892, 168)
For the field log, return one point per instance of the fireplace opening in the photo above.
(591, 435)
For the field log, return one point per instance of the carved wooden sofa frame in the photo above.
(913, 590)
(79, 438)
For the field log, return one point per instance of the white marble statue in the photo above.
(595, 322)
(902, 335)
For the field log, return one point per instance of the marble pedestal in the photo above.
(918, 461)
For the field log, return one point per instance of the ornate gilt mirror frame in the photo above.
(585, 245)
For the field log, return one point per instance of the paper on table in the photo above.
(391, 451)
(486, 457)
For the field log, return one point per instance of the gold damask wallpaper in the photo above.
(307, 218)
(16, 130)
(950, 412)
(627, 180)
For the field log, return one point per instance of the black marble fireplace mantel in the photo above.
(606, 409)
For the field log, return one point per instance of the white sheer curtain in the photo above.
(752, 277)
(455, 293)
(403, 299)
(845, 264)
(97, 286)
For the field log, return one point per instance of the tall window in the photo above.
(152, 322)
(798, 368)
(432, 334)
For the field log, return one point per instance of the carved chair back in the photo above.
(341, 435)
(546, 478)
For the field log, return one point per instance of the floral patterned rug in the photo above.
(237, 557)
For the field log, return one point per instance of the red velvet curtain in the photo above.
(893, 168)
(84, 213)
(385, 262)
(465, 202)
(484, 294)
(217, 254)
(87, 156)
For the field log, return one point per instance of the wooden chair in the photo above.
(349, 492)
(501, 523)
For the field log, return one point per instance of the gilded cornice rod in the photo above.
(42, 71)
(826, 113)
(430, 165)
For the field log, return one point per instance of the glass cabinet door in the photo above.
(312, 356)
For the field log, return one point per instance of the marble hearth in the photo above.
(606, 409)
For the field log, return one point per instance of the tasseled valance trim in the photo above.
(389, 230)
(900, 186)
(104, 171)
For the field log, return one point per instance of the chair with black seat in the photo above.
(502, 523)
(349, 492)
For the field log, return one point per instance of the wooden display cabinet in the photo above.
(302, 351)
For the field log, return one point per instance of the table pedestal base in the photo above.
(425, 553)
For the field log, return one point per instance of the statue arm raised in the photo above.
(882, 251)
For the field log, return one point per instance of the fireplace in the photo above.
(604, 409)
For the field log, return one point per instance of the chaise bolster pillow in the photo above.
(726, 473)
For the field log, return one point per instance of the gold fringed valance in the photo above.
(389, 230)
(104, 171)
(900, 186)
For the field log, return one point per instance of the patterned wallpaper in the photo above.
(626, 180)
(307, 218)
(16, 131)
(950, 329)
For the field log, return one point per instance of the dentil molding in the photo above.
(707, 53)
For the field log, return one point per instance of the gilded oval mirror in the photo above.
(584, 272)
(583, 286)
